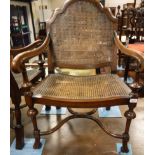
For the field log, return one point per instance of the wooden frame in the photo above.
(41, 71)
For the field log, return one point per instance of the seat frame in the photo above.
(18, 66)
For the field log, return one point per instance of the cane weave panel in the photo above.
(82, 35)
(82, 87)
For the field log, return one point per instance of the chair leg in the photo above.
(32, 112)
(129, 114)
(19, 129)
(108, 108)
(58, 107)
(119, 58)
(47, 108)
(127, 64)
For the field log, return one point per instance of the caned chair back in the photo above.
(82, 35)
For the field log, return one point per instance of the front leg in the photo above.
(32, 112)
(129, 114)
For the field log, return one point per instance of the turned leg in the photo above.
(19, 129)
(16, 100)
(127, 64)
(119, 58)
(58, 107)
(41, 66)
(108, 108)
(32, 112)
(137, 86)
(129, 114)
(98, 71)
(47, 108)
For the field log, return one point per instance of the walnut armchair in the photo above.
(80, 36)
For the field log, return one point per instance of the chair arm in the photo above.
(17, 64)
(26, 48)
(128, 51)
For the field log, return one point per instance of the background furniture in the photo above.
(19, 28)
(42, 35)
(113, 10)
(15, 95)
(103, 2)
(131, 27)
(42, 30)
(77, 43)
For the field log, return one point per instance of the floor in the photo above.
(84, 137)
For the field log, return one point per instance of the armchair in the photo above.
(81, 35)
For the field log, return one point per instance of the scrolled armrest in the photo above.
(128, 51)
(17, 64)
(26, 48)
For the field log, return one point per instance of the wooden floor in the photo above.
(84, 137)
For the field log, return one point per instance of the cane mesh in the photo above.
(82, 87)
(82, 35)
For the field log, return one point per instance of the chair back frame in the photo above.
(81, 35)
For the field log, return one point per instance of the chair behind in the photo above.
(15, 95)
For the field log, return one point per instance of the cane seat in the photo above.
(82, 88)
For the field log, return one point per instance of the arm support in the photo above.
(128, 51)
(26, 48)
(17, 64)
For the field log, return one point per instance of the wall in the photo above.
(43, 15)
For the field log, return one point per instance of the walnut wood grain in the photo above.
(17, 64)
(28, 47)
